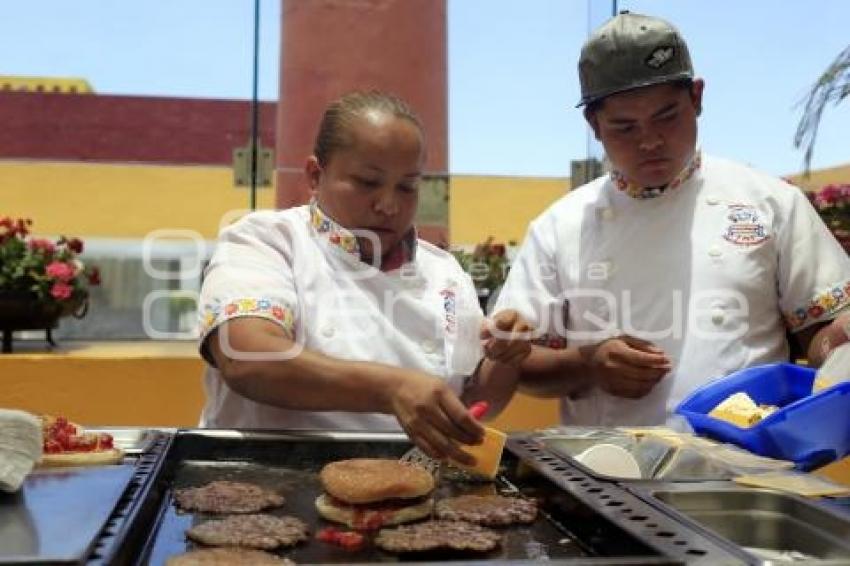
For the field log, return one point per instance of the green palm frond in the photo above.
(832, 86)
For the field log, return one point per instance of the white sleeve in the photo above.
(533, 285)
(814, 270)
(250, 274)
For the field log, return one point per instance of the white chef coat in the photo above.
(713, 271)
(300, 269)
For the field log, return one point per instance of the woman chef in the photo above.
(334, 316)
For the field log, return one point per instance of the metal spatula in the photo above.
(420, 458)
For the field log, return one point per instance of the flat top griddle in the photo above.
(566, 531)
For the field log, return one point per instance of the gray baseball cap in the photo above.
(630, 51)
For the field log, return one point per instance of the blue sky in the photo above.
(512, 79)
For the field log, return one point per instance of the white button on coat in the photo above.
(328, 331)
(718, 316)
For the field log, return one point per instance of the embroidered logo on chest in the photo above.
(745, 227)
(449, 309)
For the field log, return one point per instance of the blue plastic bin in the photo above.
(810, 430)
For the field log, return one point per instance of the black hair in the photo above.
(339, 115)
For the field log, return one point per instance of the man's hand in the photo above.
(507, 337)
(433, 416)
(819, 341)
(626, 366)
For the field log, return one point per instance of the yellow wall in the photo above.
(46, 84)
(121, 201)
(501, 207)
(821, 177)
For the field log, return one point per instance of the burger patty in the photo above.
(490, 510)
(227, 556)
(438, 535)
(227, 497)
(265, 532)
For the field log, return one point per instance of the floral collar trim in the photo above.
(636, 191)
(340, 237)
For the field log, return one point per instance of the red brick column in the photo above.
(329, 47)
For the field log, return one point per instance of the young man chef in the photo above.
(675, 268)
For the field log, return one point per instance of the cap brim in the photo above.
(651, 82)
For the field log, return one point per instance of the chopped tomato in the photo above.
(371, 519)
(349, 540)
(59, 435)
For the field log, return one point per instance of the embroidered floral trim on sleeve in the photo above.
(821, 305)
(213, 315)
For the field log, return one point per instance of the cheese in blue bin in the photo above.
(740, 410)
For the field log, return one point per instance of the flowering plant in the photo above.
(487, 264)
(833, 204)
(46, 270)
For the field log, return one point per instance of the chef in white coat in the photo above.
(335, 316)
(675, 268)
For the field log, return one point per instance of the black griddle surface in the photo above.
(290, 467)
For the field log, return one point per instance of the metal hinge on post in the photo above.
(242, 166)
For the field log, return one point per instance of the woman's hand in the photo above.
(507, 337)
(433, 416)
(626, 366)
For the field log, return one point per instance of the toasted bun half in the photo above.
(93, 458)
(364, 517)
(366, 480)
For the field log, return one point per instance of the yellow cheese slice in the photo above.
(740, 410)
(487, 455)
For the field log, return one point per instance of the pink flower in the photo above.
(61, 291)
(42, 245)
(60, 270)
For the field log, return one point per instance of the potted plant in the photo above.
(487, 265)
(833, 204)
(40, 280)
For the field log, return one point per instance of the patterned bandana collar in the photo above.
(636, 191)
(340, 237)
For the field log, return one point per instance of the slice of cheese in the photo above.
(487, 455)
(740, 410)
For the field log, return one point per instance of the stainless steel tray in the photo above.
(770, 525)
(59, 512)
